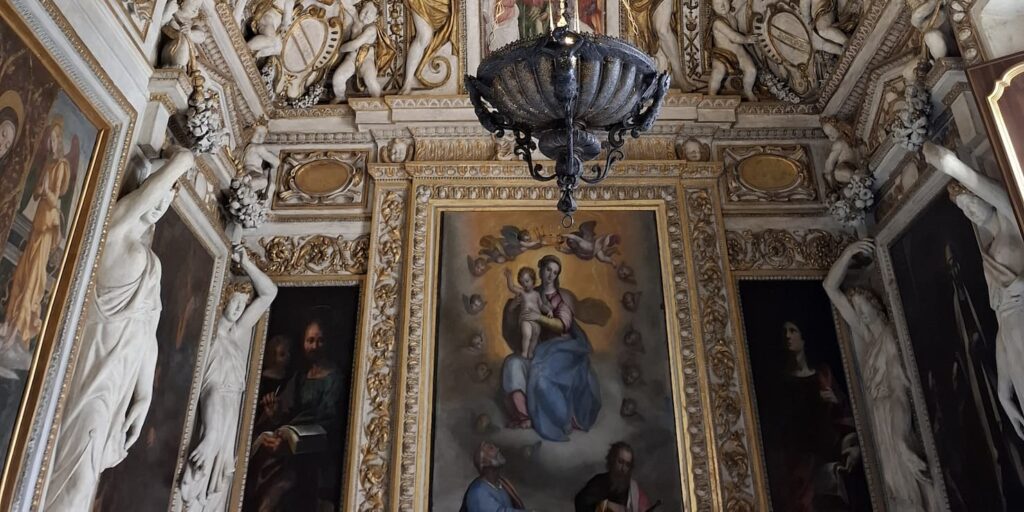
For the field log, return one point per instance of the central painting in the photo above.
(553, 383)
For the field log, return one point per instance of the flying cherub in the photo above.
(625, 272)
(586, 245)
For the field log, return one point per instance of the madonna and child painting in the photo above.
(553, 388)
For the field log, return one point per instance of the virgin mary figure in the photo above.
(556, 391)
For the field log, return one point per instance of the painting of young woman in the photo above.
(145, 479)
(297, 447)
(48, 139)
(812, 450)
(553, 388)
(938, 267)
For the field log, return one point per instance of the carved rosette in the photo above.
(719, 346)
(318, 255)
(768, 174)
(780, 249)
(383, 283)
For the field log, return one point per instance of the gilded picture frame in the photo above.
(81, 228)
(391, 467)
(243, 446)
(803, 272)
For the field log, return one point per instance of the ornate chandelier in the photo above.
(565, 88)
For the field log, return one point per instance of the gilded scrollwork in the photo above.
(384, 283)
(719, 344)
(780, 249)
(313, 255)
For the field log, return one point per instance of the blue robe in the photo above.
(562, 386)
(481, 496)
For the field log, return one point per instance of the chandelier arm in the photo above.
(524, 149)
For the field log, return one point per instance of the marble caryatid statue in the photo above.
(112, 385)
(181, 26)
(207, 478)
(904, 470)
(988, 206)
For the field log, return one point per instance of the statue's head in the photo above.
(237, 297)
(693, 150)
(259, 134)
(153, 215)
(368, 14)
(722, 7)
(975, 209)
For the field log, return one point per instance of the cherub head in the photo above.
(368, 14)
(259, 134)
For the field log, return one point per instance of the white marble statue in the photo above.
(988, 206)
(260, 163)
(207, 479)
(821, 14)
(927, 17)
(843, 160)
(112, 385)
(181, 26)
(359, 55)
(904, 471)
(271, 18)
(728, 53)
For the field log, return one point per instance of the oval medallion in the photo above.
(768, 173)
(323, 177)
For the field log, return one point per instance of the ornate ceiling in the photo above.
(351, 83)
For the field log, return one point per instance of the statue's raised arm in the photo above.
(264, 288)
(153, 190)
(980, 185)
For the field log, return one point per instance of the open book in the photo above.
(300, 438)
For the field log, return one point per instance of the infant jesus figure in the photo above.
(530, 301)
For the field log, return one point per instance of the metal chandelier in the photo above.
(564, 89)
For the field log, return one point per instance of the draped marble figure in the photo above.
(436, 23)
(904, 471)
(112, 386)
(987, 205)
(210, 465)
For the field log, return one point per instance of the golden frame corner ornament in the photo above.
(70, 265)
(391, 466)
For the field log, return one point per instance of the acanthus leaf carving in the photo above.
(313, 255)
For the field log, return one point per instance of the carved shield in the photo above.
(784, 36)
(309, 47)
